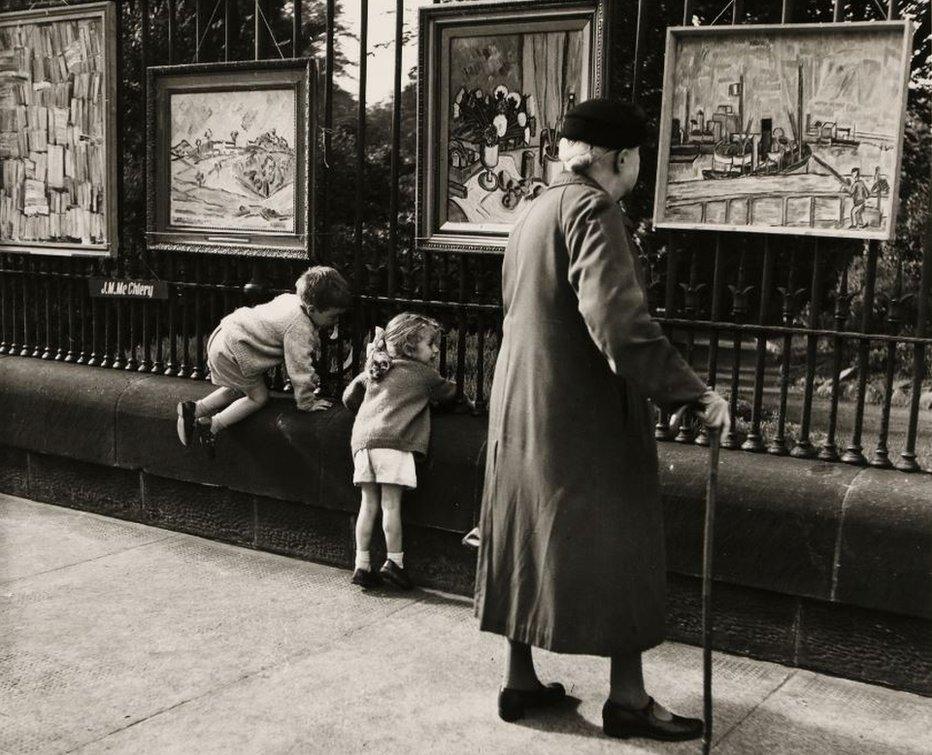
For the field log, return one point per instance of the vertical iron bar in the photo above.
(47, 267)
(907, 462)
(881, 457)
(854, 452)
(324, 247)
(257, 29)
(184, 318)
(60, 278)
(13, 347)
(198, 370)
(197, 31)
(171, 31)
(715, 311)
(296, 29)
(70, 354)
(689, 310)
(829, 451)
(837, 11)
(4, 294)
(738, 309)
(37, 315)
(396, 149)
(358, 278)
(226, 30)
(755, 440)
(131, 308)
(804, 448)
(118, 307)
(662, 428)
(463, 330)
(777, 446)
(638, 49)
(172, 341)
(24, 351)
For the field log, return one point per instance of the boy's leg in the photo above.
(365, 523)
(252, 402)
(214, 402)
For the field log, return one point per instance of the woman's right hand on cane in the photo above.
(714, 413)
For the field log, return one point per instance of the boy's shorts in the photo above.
(224, 370)
(385, 466)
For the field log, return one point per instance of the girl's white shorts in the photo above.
(386, 466)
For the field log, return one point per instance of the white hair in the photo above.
(577, 156)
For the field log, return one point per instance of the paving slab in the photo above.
(813, 713)
(36, 538)
(132, 642)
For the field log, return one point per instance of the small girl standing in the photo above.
(391, 399)
(250, 340)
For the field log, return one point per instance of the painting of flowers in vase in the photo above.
(496, 100)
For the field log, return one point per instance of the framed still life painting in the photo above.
(58, 130)
(230, 158)
(494, 83)
(793, 129)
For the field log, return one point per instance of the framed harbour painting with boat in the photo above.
(494, 82)
(230, 158)
(793, 129)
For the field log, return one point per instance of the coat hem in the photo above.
(542, 640)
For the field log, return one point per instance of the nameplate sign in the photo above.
(127, 288)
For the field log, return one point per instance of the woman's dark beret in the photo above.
(605, 123)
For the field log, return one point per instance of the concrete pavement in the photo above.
(116, 637)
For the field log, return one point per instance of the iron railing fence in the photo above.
(822, 346)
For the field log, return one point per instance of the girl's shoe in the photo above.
(366, 578)
(397, 576)
(186, 422)
(622, 723)
(512, 703)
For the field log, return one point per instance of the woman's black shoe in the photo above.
(512, 703)
(393, 573)
(623, 723)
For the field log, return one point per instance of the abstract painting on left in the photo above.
(58, 130)
(229, 158)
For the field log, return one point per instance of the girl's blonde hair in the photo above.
(577, 156)
(399, 340)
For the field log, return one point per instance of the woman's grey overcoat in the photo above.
(572, 553)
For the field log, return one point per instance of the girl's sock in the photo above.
(398, 558)
(362, 560)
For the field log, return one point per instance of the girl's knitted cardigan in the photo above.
(394, 412)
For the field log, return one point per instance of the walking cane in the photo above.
(715, 436)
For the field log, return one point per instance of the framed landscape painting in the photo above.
(494, 83)
(230, 158)
(794, 129)
(58, 130)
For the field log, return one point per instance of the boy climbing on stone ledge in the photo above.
(251, 340)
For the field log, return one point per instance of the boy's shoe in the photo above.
(397, 576)
(472, 538)
(366, 578)
(206, 438)
(186, 422)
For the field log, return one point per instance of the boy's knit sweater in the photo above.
(394, 412)
(266, 335)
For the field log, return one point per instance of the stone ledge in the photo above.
(829, 532)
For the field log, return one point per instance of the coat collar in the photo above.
(569, 177)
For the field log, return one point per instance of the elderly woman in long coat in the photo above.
(571, 555)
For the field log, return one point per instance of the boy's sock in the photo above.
(363, 561)
(398, 558)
